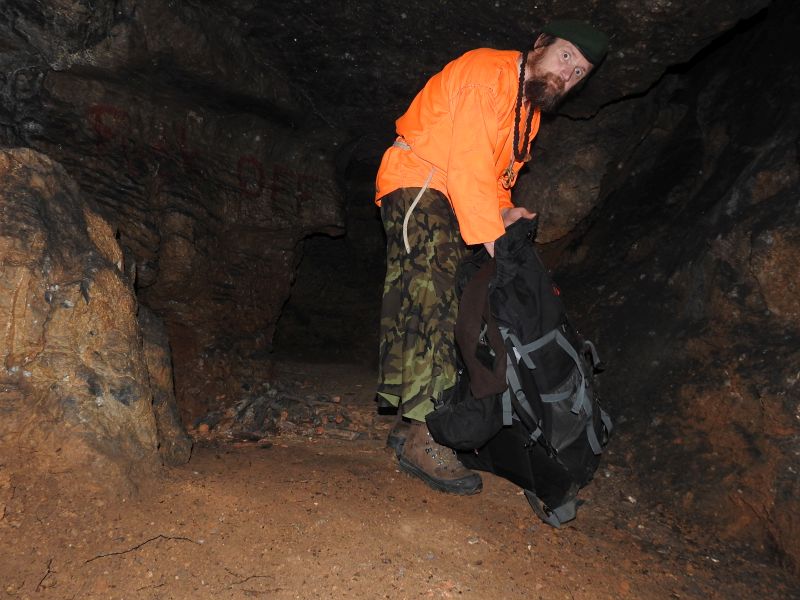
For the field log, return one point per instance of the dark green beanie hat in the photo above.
(592, 43)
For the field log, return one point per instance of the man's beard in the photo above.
(544, 92)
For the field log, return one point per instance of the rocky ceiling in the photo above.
(214, 138)
(351, 64)
(360, 62)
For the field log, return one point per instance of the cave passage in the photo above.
(191, 273)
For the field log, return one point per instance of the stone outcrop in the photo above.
(76, 393)
(573, 160)
(174, 444)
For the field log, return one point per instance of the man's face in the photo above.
(554, 71)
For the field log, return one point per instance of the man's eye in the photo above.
(565, 55)
(578, 71)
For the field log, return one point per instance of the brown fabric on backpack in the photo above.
(473, 308)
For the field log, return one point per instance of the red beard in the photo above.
(544, 91)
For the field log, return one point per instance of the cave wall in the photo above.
(688, 277)
(211, 137)
(203, 160)
(212, 140)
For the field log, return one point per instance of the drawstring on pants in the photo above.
(404, 146)
(411, 209)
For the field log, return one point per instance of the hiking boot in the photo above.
(435, 464)
(397, 435)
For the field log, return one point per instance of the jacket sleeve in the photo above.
(471, 180)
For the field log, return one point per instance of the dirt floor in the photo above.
(323, 516)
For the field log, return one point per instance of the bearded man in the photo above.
(443, 185)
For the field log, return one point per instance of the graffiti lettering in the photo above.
(109, 122)
(113, 129)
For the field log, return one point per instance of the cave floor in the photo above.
(325, 517)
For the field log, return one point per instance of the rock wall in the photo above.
(688, 277)
(202, 159)
(76, 392)
(208, 136)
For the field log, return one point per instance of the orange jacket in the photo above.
(461, 125)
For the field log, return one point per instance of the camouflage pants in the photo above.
(418, 314)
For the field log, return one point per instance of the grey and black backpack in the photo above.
(524, 407)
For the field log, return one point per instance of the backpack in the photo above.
(523, 406)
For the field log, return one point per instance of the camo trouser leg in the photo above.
(417, 346)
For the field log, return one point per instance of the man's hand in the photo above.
(511, 215)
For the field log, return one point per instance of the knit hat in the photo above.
(593, 44)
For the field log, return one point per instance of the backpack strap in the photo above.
(555, 517)
(521, 405)
(582, 401)
(589, 348)
(508, 412)
(507, 334)
(521, 399)
(606, 419)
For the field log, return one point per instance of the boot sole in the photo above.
(449, 487)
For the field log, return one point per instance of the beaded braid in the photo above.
(518, 152)
(544, 39)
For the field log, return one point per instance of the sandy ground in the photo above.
(323, 517)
